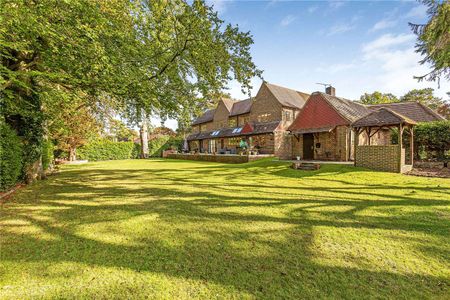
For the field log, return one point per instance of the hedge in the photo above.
(106, 150)
(158, 145)
(432, 139)
(11, 157)
(47, 154)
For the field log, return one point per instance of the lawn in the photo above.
(178, 229)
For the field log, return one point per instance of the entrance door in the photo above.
(308, 146)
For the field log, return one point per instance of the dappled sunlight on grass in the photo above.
(183, 229)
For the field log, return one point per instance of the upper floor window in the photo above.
(264, 117)
(244, 120)
(232, 122)
(287, 115)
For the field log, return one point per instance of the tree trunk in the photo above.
(72, 154)
(143, 132)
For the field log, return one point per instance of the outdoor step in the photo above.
(305, 166)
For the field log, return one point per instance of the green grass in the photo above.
(179, 229)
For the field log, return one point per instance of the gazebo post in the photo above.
(356, 130)
(400, 146)
(411, 143)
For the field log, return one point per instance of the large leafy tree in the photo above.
(424, 96)
(378, 98)
(140, 57)
(433, 40)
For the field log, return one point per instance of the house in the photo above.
(289, 124)
(262, 121)
(323, 129)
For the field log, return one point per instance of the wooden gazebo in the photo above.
(382, 156)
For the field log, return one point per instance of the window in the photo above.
(237, 130)
(233, 141)
(232, 122)
(215, 133)
(264, 117)
(287, 115)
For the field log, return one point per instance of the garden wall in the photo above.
(222, 158)
(382, 158)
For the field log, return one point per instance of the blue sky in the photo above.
(357, 46)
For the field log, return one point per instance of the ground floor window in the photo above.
(212, 146)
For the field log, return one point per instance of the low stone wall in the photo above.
(382, 158)
(222, 158)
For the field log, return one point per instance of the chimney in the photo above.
(330, 90)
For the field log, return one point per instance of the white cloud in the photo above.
(419, 11)
(394, 62)
(336, 4)
(287, 20)
(379, 45)
(340, 28)
(383, 24)
(312, 9)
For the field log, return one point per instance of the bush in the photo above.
(106, 150)
(432, 139)
(11, 157)
(157, 145)
(47, 154)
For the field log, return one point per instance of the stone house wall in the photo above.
(266, 107)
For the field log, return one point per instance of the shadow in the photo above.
(252, 230)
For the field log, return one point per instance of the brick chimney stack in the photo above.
(330, 90)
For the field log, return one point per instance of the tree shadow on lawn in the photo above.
(254, 244)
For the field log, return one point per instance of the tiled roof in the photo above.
(412, 110)
(348, 109)
(207, 116)
(287, 97)
(228, 103)
(254, 128)
(382, 117)
(241, 107)
(314, 130)
(259, 128)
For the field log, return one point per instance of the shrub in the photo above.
(47, 154)
(157, 145)
(11, 157)
(105, 150)
(433, 139)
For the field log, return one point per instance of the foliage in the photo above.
(159, 144)
(11, 157)
(434, 139)
(433, 39)
(163, 131)
(118, 131)
(105, 150)
(71, 123)
(424, 96)
(47, 154)
(159, 229)
(378, 98)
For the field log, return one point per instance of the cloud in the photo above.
(336, 4)
(340, 28)
(287, 20)
(383, 24)
(395, 62)
(312, 9)
(419, 11)
(380, 45)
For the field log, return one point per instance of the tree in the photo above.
(424, 96)
(378, 98)
(71, 124)
(433, 40)
(139, 57)
(188, 52)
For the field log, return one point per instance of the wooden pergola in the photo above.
(381, 119)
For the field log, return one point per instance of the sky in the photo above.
(356, 46)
